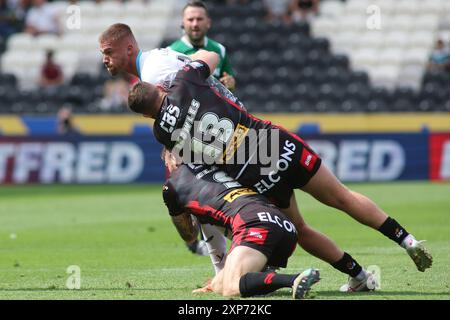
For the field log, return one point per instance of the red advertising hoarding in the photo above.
(440, 156)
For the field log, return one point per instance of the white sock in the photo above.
(217, 246)
(409, 241)
(361, 276)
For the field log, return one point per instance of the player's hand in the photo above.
(206, 288)
(228, 81)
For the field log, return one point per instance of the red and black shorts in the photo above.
(266, 229)
(292, 168)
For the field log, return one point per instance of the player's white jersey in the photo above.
(160, 66)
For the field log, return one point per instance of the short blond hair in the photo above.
(117, 32)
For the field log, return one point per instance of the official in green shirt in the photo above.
(196, 23)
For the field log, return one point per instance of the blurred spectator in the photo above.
(303, 10)
(51, 74)
(20, 8)
(440, 57)
(42, 18)
(277, 11)
(65, 123)
(8, 20)
(196, 24)
(115, 95)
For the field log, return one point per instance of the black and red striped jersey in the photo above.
(203, 127)
(208, 193)
(208, 127)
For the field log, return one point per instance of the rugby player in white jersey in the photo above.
(121, 54)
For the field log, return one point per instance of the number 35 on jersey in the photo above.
(170, 118)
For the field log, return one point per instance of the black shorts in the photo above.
(293, 167)
(266, 229)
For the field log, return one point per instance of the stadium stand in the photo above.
(334, 64)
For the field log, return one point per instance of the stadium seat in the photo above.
(88, 8)
(21, 107)
(444, 107)
(381, 93)
(344, 42)
(358, 92)
(364, 58)
(396, 39)
(111, 9)
(351, 23)
(385, 76)
(411, 76)
(377, 106)
(324, 26)
(337, 76)
(357, 7)
(20, 42)
(432, 7)
(416, 55)
(352, 105)
(301, 106)
(8, 80)
(427, 22)
(371, 39)
(321, 44)
(326, 105)
(82, 79)
(135, 9)
(390, 56)
(444, 23)
(340, 61)
(427, 105)
(47, 42)
(400, 22)
(400, 105)
(331, 8)
(410, 7)
(421, 39)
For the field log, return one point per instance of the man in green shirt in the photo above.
(196, 23)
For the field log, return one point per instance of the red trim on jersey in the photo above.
(296, 137)
(239, 227)
(215, 214)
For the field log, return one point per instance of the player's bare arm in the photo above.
(187, 230)
(209, 57)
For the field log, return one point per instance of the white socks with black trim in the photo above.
(409, 241)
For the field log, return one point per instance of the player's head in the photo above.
(146, 99)
(119, 48)
(196, 21)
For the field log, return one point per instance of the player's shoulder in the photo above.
(160, 65)
(216, 47)
(161, 53)
(179, 46)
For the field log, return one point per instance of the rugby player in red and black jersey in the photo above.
(193, 119)
(261, 234)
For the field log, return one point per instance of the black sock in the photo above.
(391, 229)
(260, 283)
(348, 265)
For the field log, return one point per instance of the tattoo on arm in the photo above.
(185, 227)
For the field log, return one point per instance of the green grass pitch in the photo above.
(126, 247)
